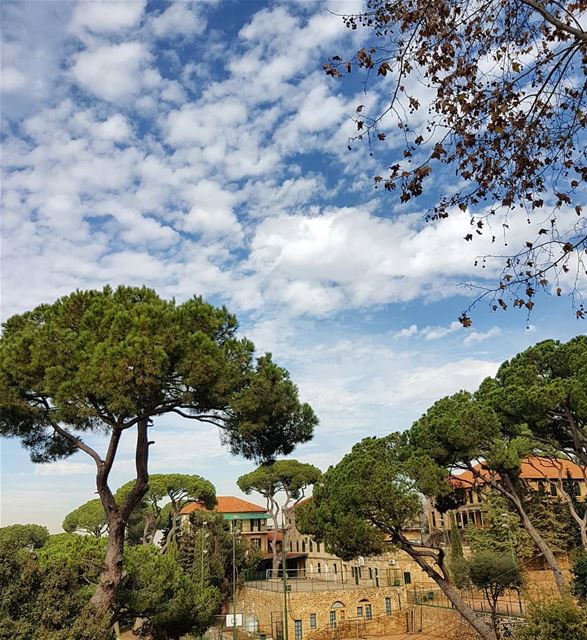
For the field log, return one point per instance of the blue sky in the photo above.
(198, 148)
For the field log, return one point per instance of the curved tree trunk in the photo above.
(111, 575)
(118, 516)
(476, 621)
(544, 550)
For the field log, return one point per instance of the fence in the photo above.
(300, 580)
(510, 605)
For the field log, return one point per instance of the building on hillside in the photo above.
(306, 557)
(543, 475)
(249, 519)
(329, 597)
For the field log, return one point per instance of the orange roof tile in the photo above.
(226, 504)
(532, 468)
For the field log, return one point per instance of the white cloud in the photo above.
(116, 128)
(180, 19)
(106, 17)
(480, 336)
(408, 332)
(11, 79)
(199, 124)
(435, 333)
(211, 213)
(111, 72)
(64, 468)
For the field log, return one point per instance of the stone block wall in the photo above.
(267, 606)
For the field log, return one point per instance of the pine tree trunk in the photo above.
(480, 626)
(111, 576)
(545, 551)
(118, 516)
(512, 495)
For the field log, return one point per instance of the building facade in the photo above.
(546, 476)
(249, 519)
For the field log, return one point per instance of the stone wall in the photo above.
(267, 607)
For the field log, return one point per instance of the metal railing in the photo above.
(510, 605)
(300, 580)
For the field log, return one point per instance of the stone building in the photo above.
(544, 475)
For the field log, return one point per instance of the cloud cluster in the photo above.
(175, 147)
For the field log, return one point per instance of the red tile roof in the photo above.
(226, 504)
(532, 468)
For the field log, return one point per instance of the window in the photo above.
(368, 612)
(255, 525)
(335, 569)
(256, 542)
(434, 519)
(553, 491)
(313, 624)
(291, 546)
(388, 606)
(541, 490)
(359, 612)
(407, 577)
(298, 629)
(311, 547)
(319, 568)
(318, 547)
(333, 619)
(303, 546)
(370, 573)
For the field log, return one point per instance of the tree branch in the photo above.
(556, 22)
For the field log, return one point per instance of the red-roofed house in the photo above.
(249, 518)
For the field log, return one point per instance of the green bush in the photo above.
(556, 620)
(579, 571)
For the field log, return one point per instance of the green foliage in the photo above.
(84, 555)
(157, 588)
(205, 552)
(46, 594)
(579, 573)
(554, 620)
(502, 530)
(459, 568)
(459, 430)
(23, 536)
(546, 387)
(348, 514)
(456, 545)
(494, 573)
(177, 489)
(47, 597)
(266, 417)
(89, 518)
(101, 358)
(290, 476)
